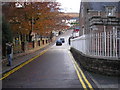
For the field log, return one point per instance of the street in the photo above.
(54, 69)
(49, 45)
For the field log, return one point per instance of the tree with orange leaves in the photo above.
(39, 17)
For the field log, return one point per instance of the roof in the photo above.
(100, 6)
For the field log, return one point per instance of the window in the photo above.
(82, 11)
(110, 11)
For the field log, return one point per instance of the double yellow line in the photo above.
(21, 65)
(79, 72)
(81, 76)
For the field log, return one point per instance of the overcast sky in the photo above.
(70, 5)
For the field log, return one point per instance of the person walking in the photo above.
(69, 40)
(9, 53)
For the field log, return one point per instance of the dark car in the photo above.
(58, 42)
(62, 39)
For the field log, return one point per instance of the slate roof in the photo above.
(100, 6)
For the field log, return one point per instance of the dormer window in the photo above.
(110, 11)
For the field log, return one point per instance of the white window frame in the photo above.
(110, 11)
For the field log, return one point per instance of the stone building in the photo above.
(100, 23)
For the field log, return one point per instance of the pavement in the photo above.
(22, 57)
(104, 81)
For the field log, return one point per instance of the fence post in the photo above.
(105, 39)
(108, 44)
(98, 44)
(116, 40)
(111, 43)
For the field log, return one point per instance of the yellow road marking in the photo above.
(20, 66)
(78, 74)
(80, 78)
(84, 77)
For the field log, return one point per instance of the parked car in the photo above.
(58, 42)
(62, 39)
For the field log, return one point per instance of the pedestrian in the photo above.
(69, 40)
(9, 53)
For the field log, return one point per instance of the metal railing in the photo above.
(102, 44)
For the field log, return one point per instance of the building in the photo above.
(100, 24)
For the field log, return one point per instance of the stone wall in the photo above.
(97, 65)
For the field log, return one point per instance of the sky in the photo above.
(66, 5)
(70, 5)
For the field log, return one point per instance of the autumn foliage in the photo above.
(39, 17)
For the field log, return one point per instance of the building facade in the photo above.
(100, 28)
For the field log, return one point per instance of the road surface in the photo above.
(54, 69)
